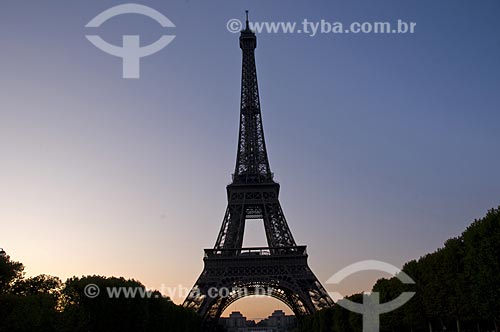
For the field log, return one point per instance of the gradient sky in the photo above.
(384, 145)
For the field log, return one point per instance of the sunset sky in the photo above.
(384, 145)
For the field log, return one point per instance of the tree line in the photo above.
(457, 288)
(45, 304)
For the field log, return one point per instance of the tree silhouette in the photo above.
(9, 271)
(45, 304)
(457, 288)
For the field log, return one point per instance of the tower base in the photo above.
(232, 274)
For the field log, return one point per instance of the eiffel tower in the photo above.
(280, 270)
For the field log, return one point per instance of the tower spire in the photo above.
(252, 163)
(247, 24)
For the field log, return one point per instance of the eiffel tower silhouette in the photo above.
(280, 270)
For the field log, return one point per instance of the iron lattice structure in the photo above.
(280, 270)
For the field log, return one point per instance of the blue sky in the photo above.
(385, 145)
